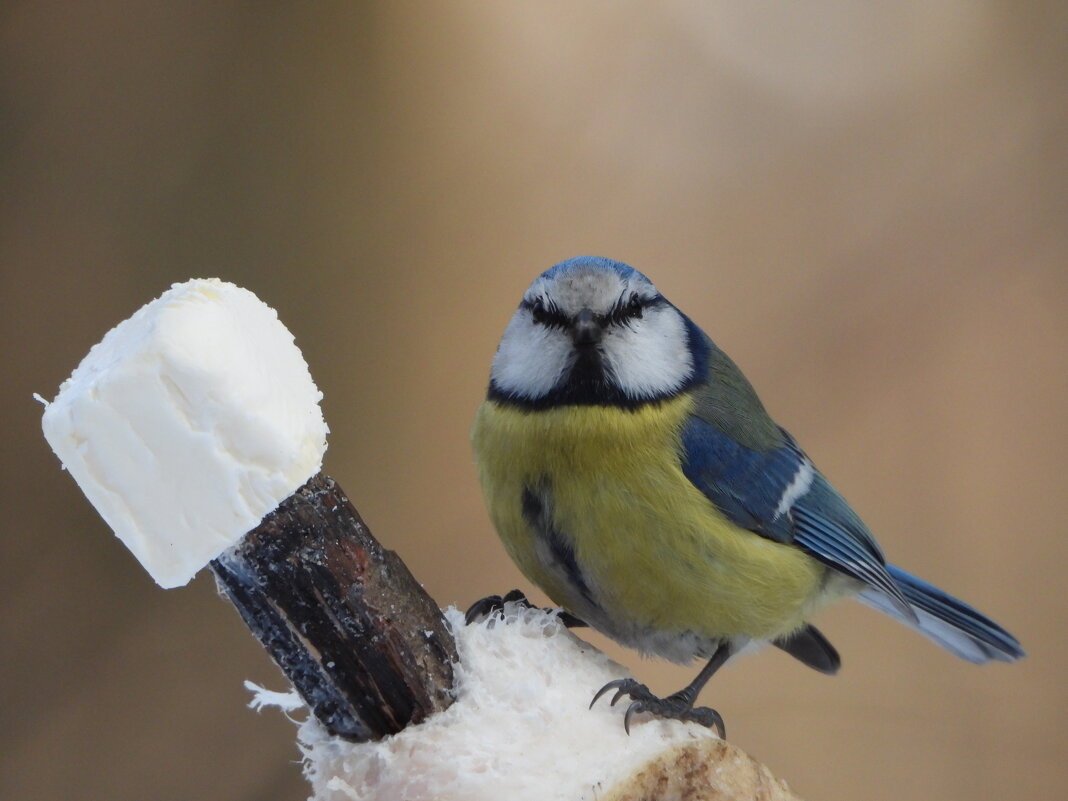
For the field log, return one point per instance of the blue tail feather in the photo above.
(946, 620)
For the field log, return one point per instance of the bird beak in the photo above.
(586, 329)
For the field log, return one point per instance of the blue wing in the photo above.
(778, 493)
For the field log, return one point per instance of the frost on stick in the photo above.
(188, 423)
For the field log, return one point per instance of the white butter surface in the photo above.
(188, 423)
(521, 727)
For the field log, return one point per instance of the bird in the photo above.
(633, 474)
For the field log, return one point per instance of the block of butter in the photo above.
(188, 423)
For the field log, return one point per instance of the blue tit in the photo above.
(633, 474)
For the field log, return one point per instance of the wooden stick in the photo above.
(359, 638)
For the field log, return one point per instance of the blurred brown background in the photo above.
(863, 203)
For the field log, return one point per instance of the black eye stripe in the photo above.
(632, 307)
(629, 306)
(545, 314)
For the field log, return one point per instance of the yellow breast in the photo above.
(660, 560)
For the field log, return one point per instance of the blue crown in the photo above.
(625, 271)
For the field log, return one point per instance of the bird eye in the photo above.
(634, 307)
(539, 312)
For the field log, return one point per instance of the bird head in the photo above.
(591, 331)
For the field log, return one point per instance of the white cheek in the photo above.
(652, 358)
(531, 359)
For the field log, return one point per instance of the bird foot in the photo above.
(674, 707)
(494, 605)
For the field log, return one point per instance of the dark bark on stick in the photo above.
(364, 645)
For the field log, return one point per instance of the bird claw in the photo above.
(622, 686)
(709, 718)
(635, 708)
(674, 707)
(494, 605)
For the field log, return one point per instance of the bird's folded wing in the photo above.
(779, 494)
